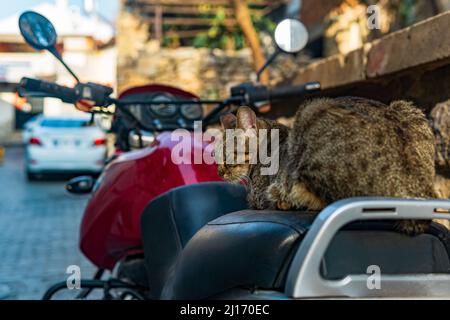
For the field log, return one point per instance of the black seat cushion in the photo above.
(170, 220)
(255, 248)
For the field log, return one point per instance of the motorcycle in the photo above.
(176, 231)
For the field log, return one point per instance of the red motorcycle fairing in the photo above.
(110, 228)
(158, 88)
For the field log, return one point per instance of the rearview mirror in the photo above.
(291, 36)
(40, 34)
(37, 31)
(81, 185)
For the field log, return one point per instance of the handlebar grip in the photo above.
(292, 91)
(65, 94)
(256, 94)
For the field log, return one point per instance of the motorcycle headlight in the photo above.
(192, 111)
(164, 110)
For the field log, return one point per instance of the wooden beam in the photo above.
(400, 51)
(191, 10)
(196, 2)
(158, 22)
(186, 33)
(411, 64)
(191, 13)
(195, 10)
(182, 21)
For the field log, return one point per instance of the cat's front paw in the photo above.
(283, 206)
(413, 227)
(275, 194)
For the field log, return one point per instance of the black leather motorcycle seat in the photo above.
(169, 222)
(254, 249)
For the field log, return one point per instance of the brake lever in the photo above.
(95, 92)
(101, 110)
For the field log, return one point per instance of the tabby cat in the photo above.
(340, 148)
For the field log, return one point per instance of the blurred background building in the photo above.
(196, 45)
(87, 41)
(200, 47)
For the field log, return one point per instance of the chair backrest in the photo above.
(170, 221)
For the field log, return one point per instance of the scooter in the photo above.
(177, 232)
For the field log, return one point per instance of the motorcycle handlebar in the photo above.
(246, 94)
(66, 94)
(256, 94)
(293, 91)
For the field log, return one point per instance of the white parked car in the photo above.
(29, 126)
(64, 145)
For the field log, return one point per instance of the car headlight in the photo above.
(192, 111)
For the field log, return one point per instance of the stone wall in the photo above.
(206, 73)
(201, 71)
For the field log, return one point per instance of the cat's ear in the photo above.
(228, 121)
(246, 118)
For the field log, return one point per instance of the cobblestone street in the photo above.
(39, 224)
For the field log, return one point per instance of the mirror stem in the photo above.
(70, 70)
(272, 57)
(58, 56)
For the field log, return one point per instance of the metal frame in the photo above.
(96, 283)
(304, 279)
